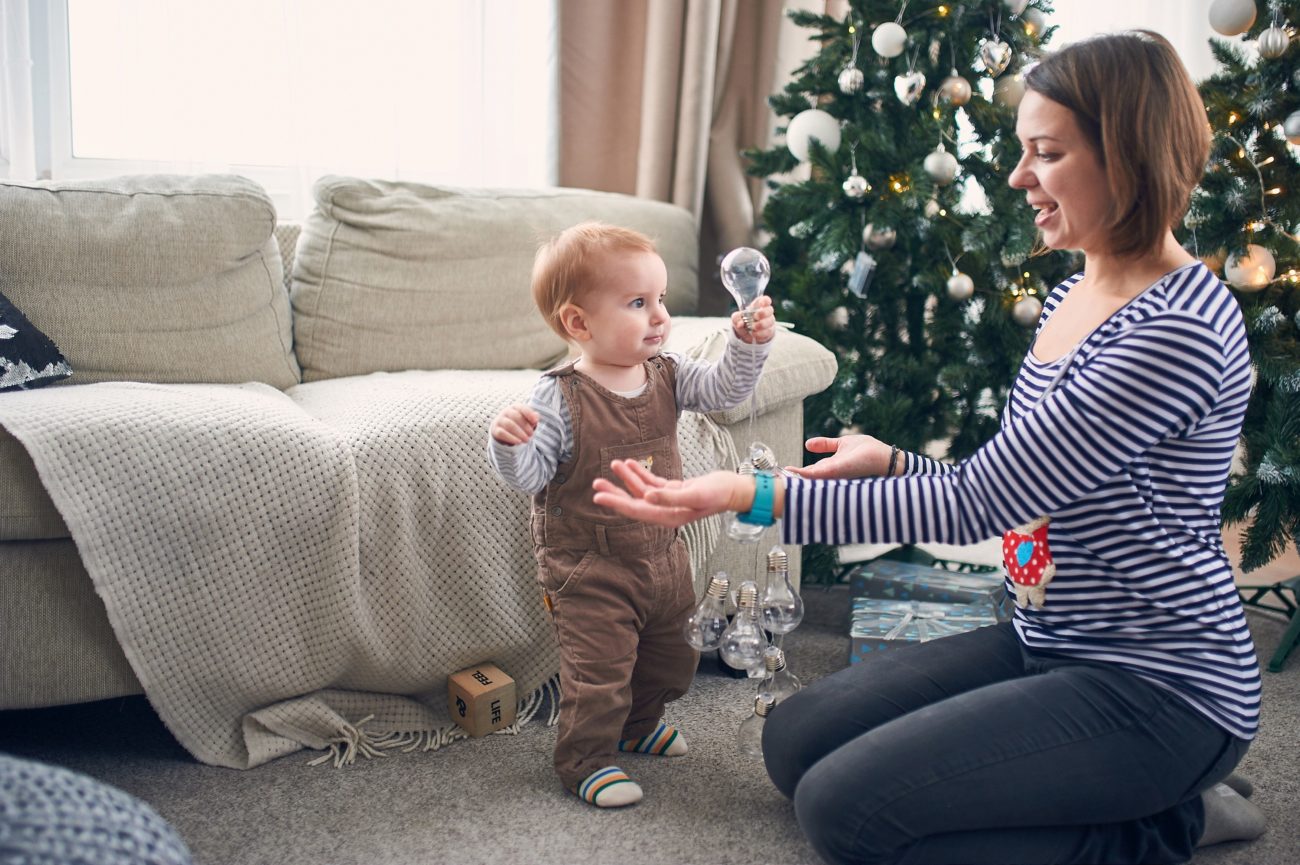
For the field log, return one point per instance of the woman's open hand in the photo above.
(852, 456)
(647, 497)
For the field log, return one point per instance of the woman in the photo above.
(1095, 725)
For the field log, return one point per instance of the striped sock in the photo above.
(609, 788)
(665, 741)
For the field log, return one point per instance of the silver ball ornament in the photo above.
(855, 186)
(1232, 17)
(1273, 42)
(879, 238)
(851, 80)
(941, 166)
(955, 90)
(1027, 310)
(1015, 7)
(889, 39)
(1034, 23)
(960, 286)
(1291, 127)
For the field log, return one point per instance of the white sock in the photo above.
(609, 788)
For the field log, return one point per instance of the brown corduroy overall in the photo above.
(618, 591)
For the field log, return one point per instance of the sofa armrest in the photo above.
(796, 367)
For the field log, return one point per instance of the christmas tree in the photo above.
(905, 251)
(1243, 221)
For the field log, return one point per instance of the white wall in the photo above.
(1185, 23)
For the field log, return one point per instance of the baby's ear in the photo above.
(574, 322)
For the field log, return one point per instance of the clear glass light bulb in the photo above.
(745, 273)
(749, 738)
(743, 642)
(763, 459)
(778, 681)
(782, 608)
(704, 629)
(737, 529)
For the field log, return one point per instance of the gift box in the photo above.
(904, 581)
(878, 624)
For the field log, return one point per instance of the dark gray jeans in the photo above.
(969, 749)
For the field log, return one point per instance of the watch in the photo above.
(760, 512)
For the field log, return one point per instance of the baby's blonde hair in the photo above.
(563, 266)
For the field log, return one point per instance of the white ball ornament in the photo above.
(941, 166)
(1291, 127)
(810, 124)
(851, 80)
(1252, 271)
(889, 39)
(1015, 7)
(960, 286)
(1027, 310)
(837, 318)
(1232, 17)
(1273, 42)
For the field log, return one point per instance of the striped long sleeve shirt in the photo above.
(702, 386)
(1129, 455)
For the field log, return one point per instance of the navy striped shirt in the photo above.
(1129, 454)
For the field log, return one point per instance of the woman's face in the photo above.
(1062, 176)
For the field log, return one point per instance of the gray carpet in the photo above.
(495, 800)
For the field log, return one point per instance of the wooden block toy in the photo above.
(481, 699)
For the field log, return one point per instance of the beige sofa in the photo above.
(191, 280)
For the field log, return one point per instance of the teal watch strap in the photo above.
(760, 512)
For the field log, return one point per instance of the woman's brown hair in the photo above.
(1136, 104)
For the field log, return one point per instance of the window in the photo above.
(283, 91)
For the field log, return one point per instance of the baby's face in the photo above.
(625, 309)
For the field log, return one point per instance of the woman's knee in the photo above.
(822, 806)
(781, 748)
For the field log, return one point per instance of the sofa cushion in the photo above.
(392, 276)
(28, 358)
(26, 512)
(796, 365)
(155, 278)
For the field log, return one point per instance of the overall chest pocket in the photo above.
(656, 455)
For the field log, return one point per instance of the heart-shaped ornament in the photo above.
(995, 55)
(908, 87)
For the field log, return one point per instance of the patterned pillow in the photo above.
(28, 358)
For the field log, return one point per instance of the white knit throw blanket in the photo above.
(305, 569)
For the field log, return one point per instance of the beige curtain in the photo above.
(659, 97)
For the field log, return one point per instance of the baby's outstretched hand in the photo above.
(515, 425)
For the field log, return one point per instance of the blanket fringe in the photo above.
(354, 740)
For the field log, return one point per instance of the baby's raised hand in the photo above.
(515, 425)
(764, 318)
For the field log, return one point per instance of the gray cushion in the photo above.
(151, 277)
(392, 276)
